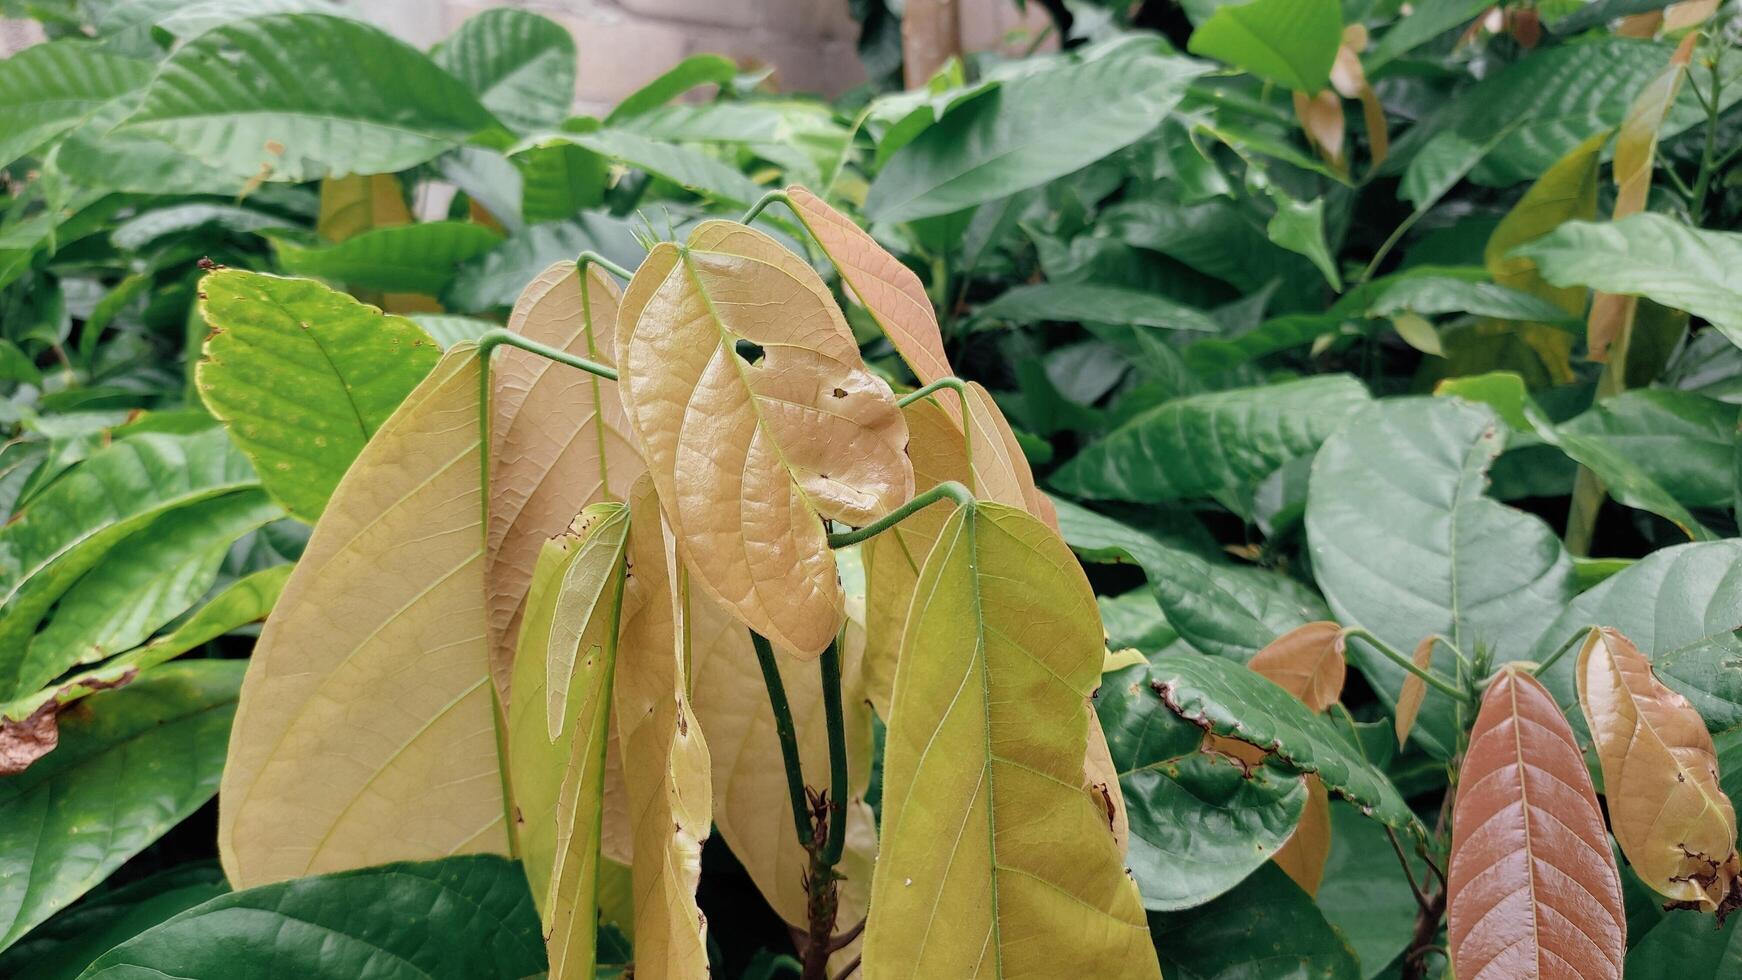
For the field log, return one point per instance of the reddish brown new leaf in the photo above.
(1307, 662)
(1414, 691)
(1533, 890)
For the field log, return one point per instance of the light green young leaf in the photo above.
(1299, 226)
(303, 376)
(296, 97)
(696, 70)
(520, 65)
(1290, 42)
(417, 258)
(1201, 445)
(107, 791)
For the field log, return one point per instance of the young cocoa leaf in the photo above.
(665, 758)
(1307, 662)
(558, 438)
(767, 450)
(365, 733)
(558, 717)
(890, 291)
(983, 772)
(1304, 856)
(356, 203)
(1533, 889)
(1414, 691)
(1660, 777)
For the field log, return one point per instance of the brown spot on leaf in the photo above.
(24, 742)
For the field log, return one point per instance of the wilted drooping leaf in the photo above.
(1533, 889)
(982, 791)
(750, 456)
(303, 376)
(558, 438)
(1660, 777)
(365, 732)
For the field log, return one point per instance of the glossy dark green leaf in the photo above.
(1227, 699)
(1134, 620)
(1364, 893)
(300, 96)
(1050, 120)
(1299, 226)
(1080, 302)
(62, 947)
(131, 764)
(1290, 42)
(1228, 610)
(47, 89)
(1681, 606)
(273, 372)
(461, 918)
(67, 529)
(1266, 928)
(1621, 475)
(1405, 543)
(1204, 444)
(151, 577)
(416, 258)
(1650, 255)
(1688, 946)
(520, 66)
(1199, 823)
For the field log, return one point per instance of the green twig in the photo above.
(498, 337)
(953, 490)
(786, 733)
(1561, 651)
(940, 384)
(836, 719)
(591, 257)
(762, 204)
(1436, 681)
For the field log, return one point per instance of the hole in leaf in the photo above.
(749, 351)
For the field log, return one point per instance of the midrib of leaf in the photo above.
(1529, 837)
(596, 384)
(970, 528)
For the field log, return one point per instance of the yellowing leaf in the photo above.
(557, 722)
(359, 202)
(749, 458)
(1660, 775)
(1414, 691)
(558, 438)
(1532, 890)
(890, 291)
(365, 732)
(665, 758)
(994, 862)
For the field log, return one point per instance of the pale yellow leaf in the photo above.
(665, 758)
(365, 731)
(749, 458)
(357, 203)
(994, 861)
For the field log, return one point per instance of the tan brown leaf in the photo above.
(1533, 890)
(1303, 857)
(664, 755)
(1349, 80)
(1414, 691)
(766, 450)
(365, 732)
(28, 739)
(1660, 775)
(890, 291)
(1321, 118)
(1307, 662)
(558, 438)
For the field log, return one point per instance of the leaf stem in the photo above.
(785, 732)
(940, 384)
(953, 490)
(762, 204)
(1709, 155)
(590, 257)
(498, 337)
(1444, 686)
(1561, 651)
(835, 718)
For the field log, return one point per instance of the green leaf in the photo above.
(1290, 42)
(1687, 947)
(696, 70)
(447, 329)
(1503, 391)
(68, 528)
(1405, 544)
(1684, 441)
(1087, 302)
(1299, 226)
(47, 89)
(1199, 823)
(685, 166)
(1422, 24)
(99, 153)
(1431, 295)
(461, 918)
(147, 227)
(1650, 255)
(1681, 606)
(1364, 894)
(981, 665)
(183, 19)
(1622, 476)
(298, 97)
(494, 280)
(419, 258)
(1265, 928)
(1052, 120)
(1599, 12)
(1226, 699)
(62, 947)
(302, 376)
(151, 577)
(1215, 354)
(520, 65)
(1198, 446)
(558, 179)
(1231, 611)
(129, 768)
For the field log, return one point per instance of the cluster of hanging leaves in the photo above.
(1330, 440)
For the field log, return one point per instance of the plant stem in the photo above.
(1561, 651)
(762, 204)
(493, 339)
(786, 733)
(835, 718)
(953, 490)
(590, 257)
(1444, 686)
(1709, 156)
(936, 386)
